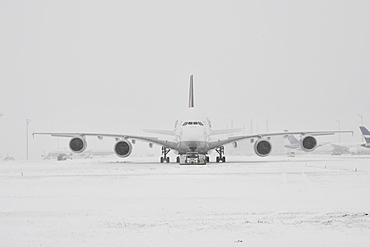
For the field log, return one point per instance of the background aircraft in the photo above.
(339, 148)
(366, 135)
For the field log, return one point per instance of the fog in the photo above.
(120, 66)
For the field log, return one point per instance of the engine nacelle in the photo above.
(308, 143)
(262, 147)
(77, 144)
(123, 148)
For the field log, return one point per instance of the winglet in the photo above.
(191, 93)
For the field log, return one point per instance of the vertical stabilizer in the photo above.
(365, 133)
(293, 141)
(191, 93)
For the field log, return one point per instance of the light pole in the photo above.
(338, 121)
(27, 123)
(362, 120)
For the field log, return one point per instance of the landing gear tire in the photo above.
(164, 157)
(220, 157)
(178, 159)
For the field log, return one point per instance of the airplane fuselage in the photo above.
(193, 133)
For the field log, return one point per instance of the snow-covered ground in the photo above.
(250, 201)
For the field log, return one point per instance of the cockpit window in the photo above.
(192, 123)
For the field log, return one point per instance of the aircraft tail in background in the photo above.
(294, 143)
(366, 134)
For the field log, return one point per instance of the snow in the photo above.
(250, 201)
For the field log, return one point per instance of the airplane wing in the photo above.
(162, 132)
(226, 131)
(219, 143)
(291, 147)
(155, 140)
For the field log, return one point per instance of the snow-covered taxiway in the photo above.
(275, 201)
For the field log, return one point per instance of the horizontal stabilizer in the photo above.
(292, 147)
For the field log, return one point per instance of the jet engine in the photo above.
(262, 147)
(123, 148)
(308, 143)
(77, 144)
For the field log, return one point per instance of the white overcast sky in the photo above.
(115, 66)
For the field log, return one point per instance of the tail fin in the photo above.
(191, 93)
(293, 141)
(365, 133)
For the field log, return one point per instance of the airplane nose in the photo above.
(193, 134)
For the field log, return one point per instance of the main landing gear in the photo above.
(221, 152)
(164, 157)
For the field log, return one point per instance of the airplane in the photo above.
(192, 138)
(355, 147)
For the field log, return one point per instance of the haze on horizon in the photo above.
(116, 67)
